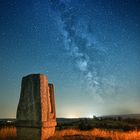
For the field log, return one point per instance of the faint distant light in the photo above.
(71, 116)
(90, 116)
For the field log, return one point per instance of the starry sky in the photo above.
(89, 49)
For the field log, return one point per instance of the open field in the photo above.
(113, 128)
(9, 133)
(117, 123)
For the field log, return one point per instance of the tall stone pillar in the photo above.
(36, 116)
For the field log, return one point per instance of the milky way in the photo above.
(80, 42)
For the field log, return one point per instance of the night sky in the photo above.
(89, 49)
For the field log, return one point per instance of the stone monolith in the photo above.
(36, 115)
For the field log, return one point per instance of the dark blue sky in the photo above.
(89, 49)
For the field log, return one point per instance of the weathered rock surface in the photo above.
(36, 109)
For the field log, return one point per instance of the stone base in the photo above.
(26, 133)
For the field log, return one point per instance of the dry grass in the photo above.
(7, 133)
(114, 135)
(10, 133)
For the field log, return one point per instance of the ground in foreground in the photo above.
(9, 133)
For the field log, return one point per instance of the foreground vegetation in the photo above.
(100, 123)
(9, 133)
(97, 134)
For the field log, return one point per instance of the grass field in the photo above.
(9, 133)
